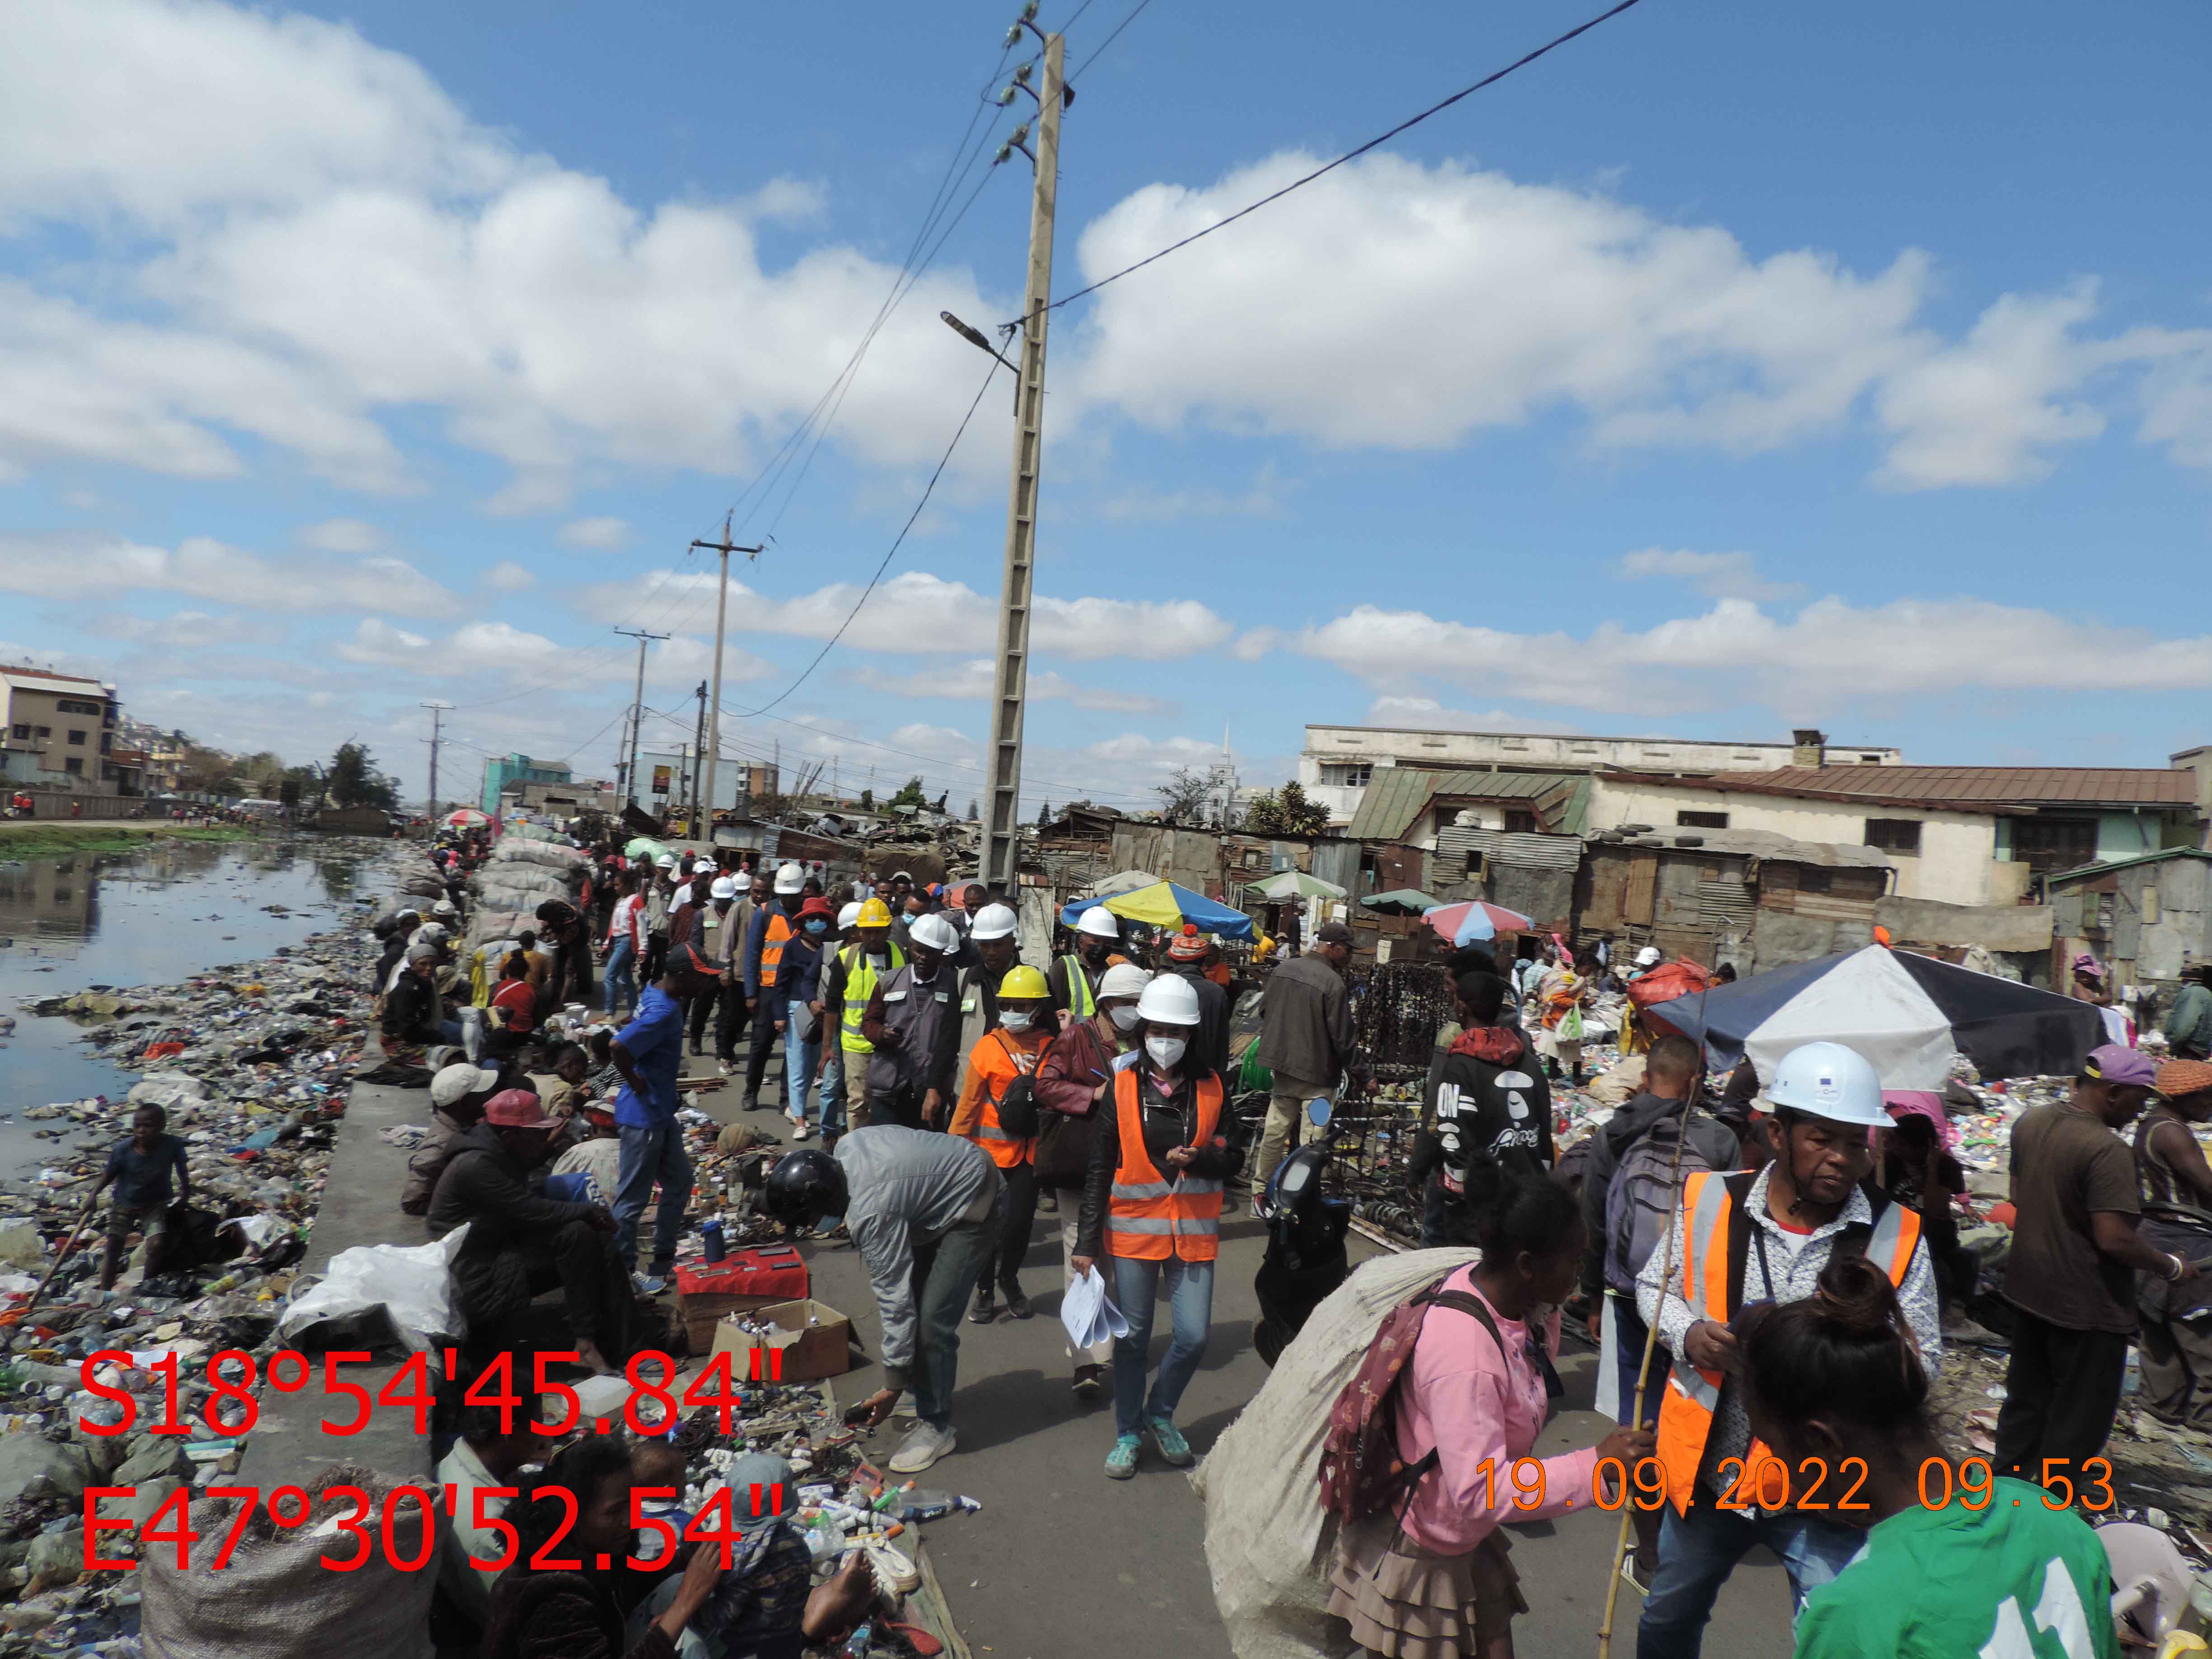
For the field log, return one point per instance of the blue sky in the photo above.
(1729, 370)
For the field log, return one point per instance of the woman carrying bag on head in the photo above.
(997, 1110)
(1152, 1206)
(1075, 1088)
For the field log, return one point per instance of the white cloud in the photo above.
(1716, 575)
(344, 535)
(1829, 653)
(605, 531)
(918, 612)
(1262, 499)
(971, 682)
(68, 564)
(2178, 406)
(183, 629)
(508, 577)
(480, 647)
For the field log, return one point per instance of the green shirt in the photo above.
(2013, 1581)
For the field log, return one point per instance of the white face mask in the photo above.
(1017, 1019)
(1165, 1051)
(1125, 1018)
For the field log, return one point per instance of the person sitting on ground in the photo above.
(514, 1012)
(1837, 1379)
(489, 1459)
(597, 1156)
(2176, 1339)
(1428, 1577)
(521, 1244)
(415, 1016)
(579, 1611)
(140, 1168)
(567, 1086)
(458, 1095)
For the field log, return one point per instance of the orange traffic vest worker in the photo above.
(1748, 1237)
(1152, 1199)
(998, 1073)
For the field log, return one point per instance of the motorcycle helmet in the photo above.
(804, 1187)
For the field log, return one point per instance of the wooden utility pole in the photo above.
(713, 738)
(1010, 683)
(637, 706)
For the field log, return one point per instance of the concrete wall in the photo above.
(1953, 866)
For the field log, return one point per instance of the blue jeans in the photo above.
(621, 979)
(1697, 1552)
(650, 1155)
(833, 1089)
(1190, 1305)
(801, 1062)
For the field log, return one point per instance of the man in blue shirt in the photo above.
(649, 1054)
(140, 1168)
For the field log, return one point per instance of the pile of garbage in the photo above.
(253, 1064)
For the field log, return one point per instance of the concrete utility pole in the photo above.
(437, 717)
(698, 753)
(1010, 683)
(713, 739)
(637, 706)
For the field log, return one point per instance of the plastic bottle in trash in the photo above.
(710, 1234)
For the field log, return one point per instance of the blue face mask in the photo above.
(818, 927)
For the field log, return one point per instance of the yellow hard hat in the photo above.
(1023, 981)
(874, 913)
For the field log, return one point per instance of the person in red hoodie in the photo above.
(1492, 1102)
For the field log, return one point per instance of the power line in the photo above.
(1351, 155)
(1098, 49)
(897, 543)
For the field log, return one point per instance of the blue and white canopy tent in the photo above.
(1908, 1015)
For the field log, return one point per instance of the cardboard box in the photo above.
(814, 1339)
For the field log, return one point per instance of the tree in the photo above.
(1044, 815)
(1183, 797)
(910, 795)
(867, 800)
(355, 781)
(1285, 811)
(205, 771)
(974, 811)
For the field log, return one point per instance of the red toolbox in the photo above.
(740, 1282)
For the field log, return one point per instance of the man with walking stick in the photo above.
(1750, 1237)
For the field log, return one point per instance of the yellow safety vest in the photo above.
(860, 977)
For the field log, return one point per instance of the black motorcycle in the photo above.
(1305, 1258)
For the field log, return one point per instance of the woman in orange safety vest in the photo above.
(1152, 1204)
(1006, 1053)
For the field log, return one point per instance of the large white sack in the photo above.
(412, 1283)
(1267, 1538)
(543, 854)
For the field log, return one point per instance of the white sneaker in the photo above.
(798, 1130)
(725, 1068)
(922, 1448)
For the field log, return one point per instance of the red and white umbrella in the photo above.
(467, 817)
(1474, 920)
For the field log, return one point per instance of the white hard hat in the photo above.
(1099, 922)
(1649, 957)
(992, 921)
(849, 916)
(1170, 999)
(933, 933)
(666, 860)
(1124, 979)
(1829, 1080)
(723, 888)
(790, 878)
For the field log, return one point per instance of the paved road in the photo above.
(1064, 1564)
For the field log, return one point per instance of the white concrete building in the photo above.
(1337, 760)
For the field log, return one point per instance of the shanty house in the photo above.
(2145, 918)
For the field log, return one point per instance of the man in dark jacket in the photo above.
(1305, 1039)
(1209, 1044)
(1492, 1101)
(519, 1242)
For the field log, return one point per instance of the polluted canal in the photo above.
(227, 984)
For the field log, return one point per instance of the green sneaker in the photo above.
(1168, 1438)
(1121, 1461)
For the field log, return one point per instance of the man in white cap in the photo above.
(829, 1008)
(912, 1026)
(774, 926)
(1074, 977)
(1646, 960)
(659, 894)
(1788, 1220)
(458, 1094)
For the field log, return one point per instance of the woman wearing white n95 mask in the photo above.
(1151, 1209)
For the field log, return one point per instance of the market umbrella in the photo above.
(1411, 901)
(1476, 920)
(1909, 1015)
(466, 816)
(1294, 884)
(1169, 904)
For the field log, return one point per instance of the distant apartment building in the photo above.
(506, 774)
(1339, 762)
(162, 766)
(57, 731)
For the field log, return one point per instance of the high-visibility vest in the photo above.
(1081, 1002)
(1710, 1203)
(778, 933)
(860, 977)
(1007, 1151)
(1152, 1219)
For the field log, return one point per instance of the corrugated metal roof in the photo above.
(2087, 869)
(1396, 795)
(1522, 851)
(1962, 787)
(1756, 844)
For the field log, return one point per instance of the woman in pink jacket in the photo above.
(1434, 1581)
